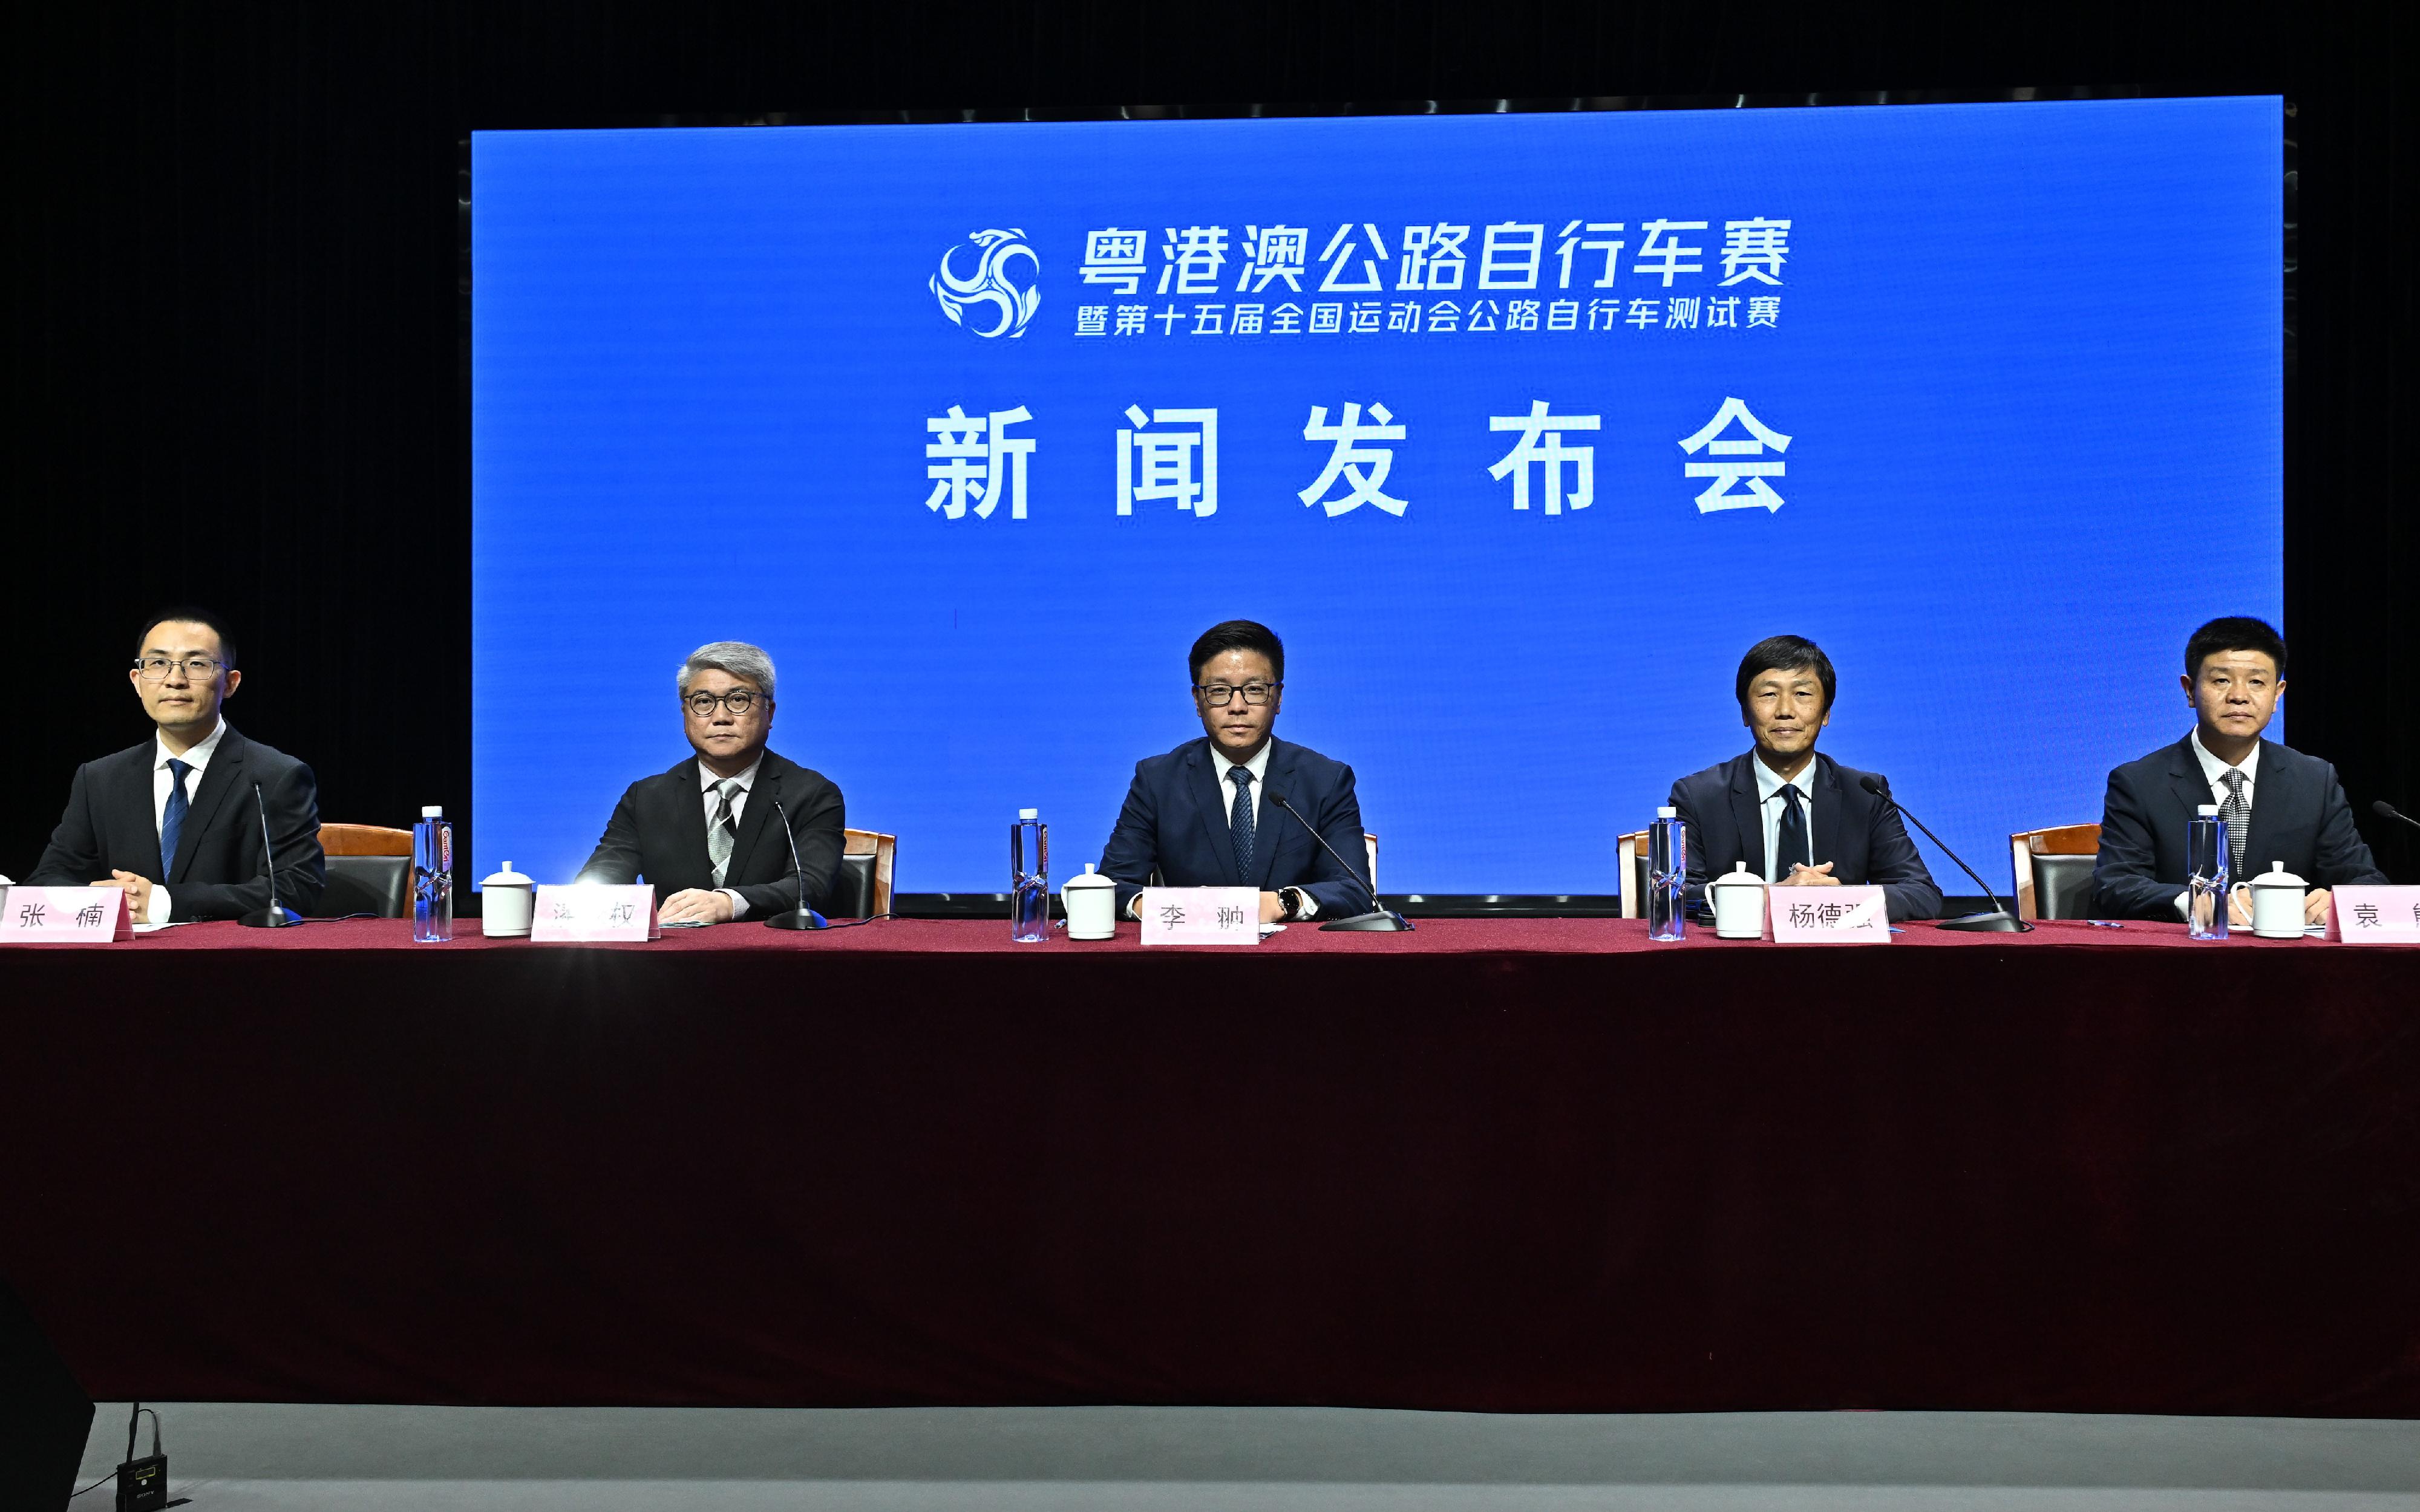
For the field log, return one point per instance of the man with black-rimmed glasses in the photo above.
(1201, 815)
(173, 821)
(704, 833)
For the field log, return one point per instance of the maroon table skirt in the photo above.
(1518, 1165)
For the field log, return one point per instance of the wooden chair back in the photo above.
(1631, 848)
(2059, 840)
(885, 851)
(364, 840)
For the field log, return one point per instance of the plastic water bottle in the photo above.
(432, 877)
(1029, 908)
(1668, 875)
(2206, 876)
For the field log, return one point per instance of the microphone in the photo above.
(1380, 919)
(801, 916)
(2387, 811)
(1998, 922)
(272, 917)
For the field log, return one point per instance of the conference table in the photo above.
(1497, 1165)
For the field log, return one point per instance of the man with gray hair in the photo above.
(707, 834)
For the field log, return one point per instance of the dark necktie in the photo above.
(2237, 815)
(1792, 850)
(172, 819)
(1240, 821)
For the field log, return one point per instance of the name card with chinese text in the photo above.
(1201, 916)
(595, 911)
(2374, 915)
(64, 915)
(1829, 916)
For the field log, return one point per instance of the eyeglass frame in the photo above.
(723, 700)
(191, 666)
(1233, 689)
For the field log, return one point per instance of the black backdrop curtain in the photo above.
(235, 363)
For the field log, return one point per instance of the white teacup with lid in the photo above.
(1737, 899)
(507, 902)
(1090, 903)
(2277, 903)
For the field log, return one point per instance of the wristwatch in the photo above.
(1290, 899)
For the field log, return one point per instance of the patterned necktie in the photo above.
(1240, 821)
(2237, 815)
(723, 833)
(172, 819)
(1792, 850)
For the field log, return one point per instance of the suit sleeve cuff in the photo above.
(1309, 906)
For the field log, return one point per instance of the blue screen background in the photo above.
(2028, 356)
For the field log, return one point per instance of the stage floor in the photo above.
(242, 1456)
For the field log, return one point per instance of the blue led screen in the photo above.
(1519, 428)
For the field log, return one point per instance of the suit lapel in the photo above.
(1272, 826)
(1209, 792)
(1747, 814)
(229, 770)
(2272, 800)
(689, 820)
(754, 819)
(1825, 836)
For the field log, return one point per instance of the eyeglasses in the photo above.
(1218, 695)
(156, 669)
(739, 701)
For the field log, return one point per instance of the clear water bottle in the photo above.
(1028, 906)
(2206, 876)
(1668, 875)
(432, 876)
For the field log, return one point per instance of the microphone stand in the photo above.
(801, 916)
(1998, 922)
(1380, 919)
(2387, 811)
(272, 917)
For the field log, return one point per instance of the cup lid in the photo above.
(1090, 879)
(1738, 876)
(507, 878)
(2277, 876)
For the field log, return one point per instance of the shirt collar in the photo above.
(1769, 783)
(1258, 765)
(705, 777)
(197, 758)
(2214, 770)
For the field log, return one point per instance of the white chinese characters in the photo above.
(972, 458)
(1178, 462)
(1737, 461)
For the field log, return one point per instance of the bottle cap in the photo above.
(1667, 813)
(2207, 810)
(1023, 814)
(434, 811)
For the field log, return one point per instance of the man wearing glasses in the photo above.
(173, 821)
(1205, 815)
(708, 833)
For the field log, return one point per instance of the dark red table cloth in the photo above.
(1534, 1166)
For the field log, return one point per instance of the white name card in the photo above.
(1201, 916)
(2374, 915)
(595, 911)
(1829, 916)
(64, 915)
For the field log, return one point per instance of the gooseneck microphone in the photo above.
(272, 917)
(801, 916)
(2387, 811)
(1380, 919)
(1998, 922)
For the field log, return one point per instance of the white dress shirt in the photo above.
(706, 784)
(163, 783)
(1769, 785)
(2213, 771)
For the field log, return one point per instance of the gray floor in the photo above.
(239, 1457)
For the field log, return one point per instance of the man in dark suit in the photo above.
(1796, 818)
(1205, 815)
(707, 834)
(2278, 804)
(173, 821)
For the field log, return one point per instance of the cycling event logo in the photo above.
(1000, 296)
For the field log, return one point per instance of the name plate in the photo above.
(2374, 915)
(1201, 916)
(1829, 916)
(586, 912)
(62, 916)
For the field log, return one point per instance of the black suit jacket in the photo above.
(220, 871)
(1857, 832)
(658, 832)
(2299, 816)
(1174, 821)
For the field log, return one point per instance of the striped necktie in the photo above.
(723, 833)
(2237, 815)
(1240, 821)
